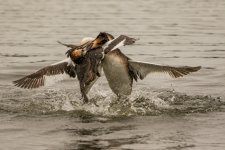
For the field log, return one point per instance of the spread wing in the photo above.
(47, 75)
(120, 41)
(142, 69)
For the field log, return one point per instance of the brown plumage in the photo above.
(142, 69)
(36, 79)
(87, 70)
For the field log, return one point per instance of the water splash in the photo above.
(140, 102)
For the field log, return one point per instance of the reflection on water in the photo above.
(186, 113)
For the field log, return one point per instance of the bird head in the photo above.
(77, 55)
(101, 39)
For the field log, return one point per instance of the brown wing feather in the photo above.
(37, 79)
(142, 69)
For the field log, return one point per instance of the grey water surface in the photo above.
(161, 113)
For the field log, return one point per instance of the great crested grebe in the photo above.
(120, 71)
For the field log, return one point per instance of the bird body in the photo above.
(115, 67)
(88, 70)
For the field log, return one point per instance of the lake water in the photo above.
(161, 113)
